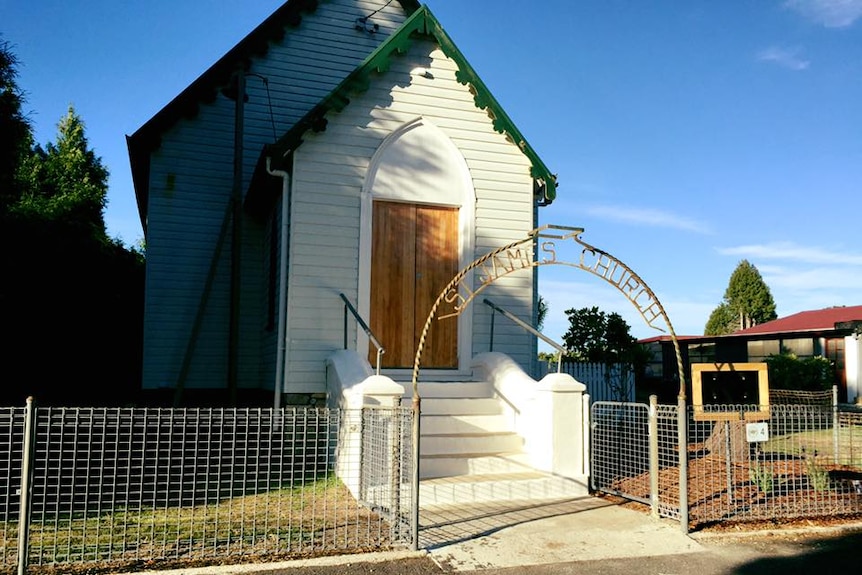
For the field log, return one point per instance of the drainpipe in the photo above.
(281, 360)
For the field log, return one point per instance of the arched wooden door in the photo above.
(414, 254)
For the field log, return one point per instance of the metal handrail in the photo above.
(527, 327)
(349, 307)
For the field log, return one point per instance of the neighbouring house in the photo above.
(834, 333)
(345, 150)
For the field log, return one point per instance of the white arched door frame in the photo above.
(419, 164)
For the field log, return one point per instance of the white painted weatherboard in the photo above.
(330, 168)
(191, 180)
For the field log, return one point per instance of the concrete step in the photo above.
(460, 406)
(435, 466)
(451, 389)
(523, 486)
(470, 444)
(469, 424)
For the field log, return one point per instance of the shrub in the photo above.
(818, 475)
(787, 371)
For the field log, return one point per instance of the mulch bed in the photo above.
(720, 498)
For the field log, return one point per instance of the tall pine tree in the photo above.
(15, 131)
(67, 181)
(747, 302)
(71, 299)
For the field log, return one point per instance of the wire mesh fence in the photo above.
(123, 485)
(742, 462)
(635, 453)
(778, 462)
(620, 449)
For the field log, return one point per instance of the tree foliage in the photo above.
(15, 130)
(787, 371)
(747, 302)
(72, 298)
(596, 336)
(722, 320)
(67, 180)
(541, 313)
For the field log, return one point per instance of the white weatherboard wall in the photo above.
(191, 180)
(330, 168)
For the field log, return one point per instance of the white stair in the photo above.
(470, 453)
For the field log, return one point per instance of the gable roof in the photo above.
(420, 23)
(815, 320)
(205, 89)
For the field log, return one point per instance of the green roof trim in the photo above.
(421, 23)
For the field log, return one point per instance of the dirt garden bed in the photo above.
(759, 495)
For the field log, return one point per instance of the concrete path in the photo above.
(588, 535)
(579, 530)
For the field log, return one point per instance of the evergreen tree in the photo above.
(721, 321)
(71, 299)
(541, 313)
(747, 302)
(67, 181)
(598, 337)
(595, 336)
(15, 131)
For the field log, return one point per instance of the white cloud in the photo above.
(648, 217)
(803, 289)
(808, 279)
(794, 252)
(804, 278)
(785, 57)
(829, 13)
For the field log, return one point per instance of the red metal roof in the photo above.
(814, 320)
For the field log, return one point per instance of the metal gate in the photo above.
(634, 454)
(700, 466)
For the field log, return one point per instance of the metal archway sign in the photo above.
(515, 257)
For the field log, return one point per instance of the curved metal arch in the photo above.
(514, 257)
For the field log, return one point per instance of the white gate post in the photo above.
(560, 404)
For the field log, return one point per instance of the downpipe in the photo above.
(281, 359)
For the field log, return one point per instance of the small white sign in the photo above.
(757, 432)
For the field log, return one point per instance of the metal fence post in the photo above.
(835, 424)
(395, 470)
(682, 421)
(24, 508)
(415, 411)
(653, 455)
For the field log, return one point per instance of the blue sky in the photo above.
(686, 135)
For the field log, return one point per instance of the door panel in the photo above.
(414, 255)
(393, 263)
(436, 265)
